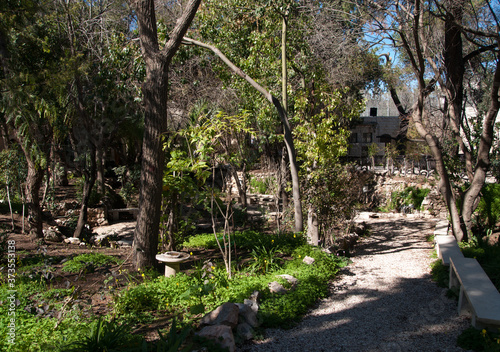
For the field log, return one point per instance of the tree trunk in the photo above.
(483, 159)
(153, 160)
(241, 192)
(444, 182)
(100, 170)
(89, 182)
(32, 187)
(155, 90)
(312, 226)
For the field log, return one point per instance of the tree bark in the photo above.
(483, 154)
(32, 187)
(294, 170)
(312, 226)
(90, 177)
(155, 124)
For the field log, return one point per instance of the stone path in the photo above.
(384, 301)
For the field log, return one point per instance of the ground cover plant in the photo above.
(53, 314)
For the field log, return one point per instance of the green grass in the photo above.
(89, 262)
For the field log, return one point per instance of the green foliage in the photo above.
(285, 310)
(95, 196)
(130, 183)
(409, 196)
(208, 286)
(173, 341)
(103, 336)
(265, 259)
(440, 273)
(35, 328)
(88, 262)
(4, 237)
(13, 172)
(333, 191)
(488, 210)
(262, 186)
(473, 339)
(487, 255)
(247, 240)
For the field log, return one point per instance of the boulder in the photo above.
(72, 240)
(221, 334)
(52, 234)
(124, 243)
(226, 314)
(276, 287)
(244, 331)
(308, 260)
(292, 280)
(247, 315)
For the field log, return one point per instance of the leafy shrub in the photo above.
(89, 262)
(287, 242)
(488, 210)
(94, 198)
(265, 259)
(479, 340)
(409, 196)
(174, 294)
(104, 336)
(262, 186)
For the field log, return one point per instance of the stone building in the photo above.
(374, 129)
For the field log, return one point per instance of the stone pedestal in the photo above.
(172, 261)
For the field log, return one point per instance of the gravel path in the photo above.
(384, 301)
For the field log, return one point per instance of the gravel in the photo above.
(384, 301)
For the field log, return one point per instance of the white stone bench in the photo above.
(447, 247)
(479, 291)
(114, 214)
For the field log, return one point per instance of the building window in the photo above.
(354, 138)
(367, 137)
(373, 111)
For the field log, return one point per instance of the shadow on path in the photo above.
(384, 301)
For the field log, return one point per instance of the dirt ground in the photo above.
(94, 292)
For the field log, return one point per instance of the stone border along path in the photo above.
(384, 301)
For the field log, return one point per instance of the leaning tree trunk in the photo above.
(483, 154)
(290, 147)
(87, 191)
(444, 182)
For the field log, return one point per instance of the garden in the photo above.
(67, 297)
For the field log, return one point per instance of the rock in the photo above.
(247, 315)
(104, 239)
(244, 331)
(253, 301)
(226, 314)
(221, 334)
(292, 280)
(124, 243)
(52, 234)
(492, 239)
(252, 304)
(276, 287)
(308, 260)
(72, 240)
